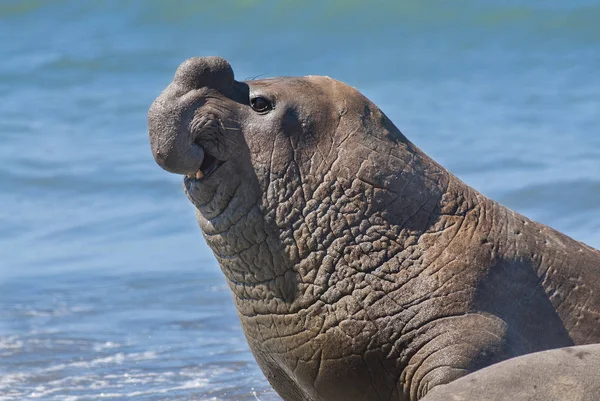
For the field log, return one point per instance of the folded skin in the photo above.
(360, 268)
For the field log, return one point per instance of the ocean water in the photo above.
(107, 290)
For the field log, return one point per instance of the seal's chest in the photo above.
(331, 366)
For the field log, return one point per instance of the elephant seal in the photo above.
(571, 373)
(360, 268)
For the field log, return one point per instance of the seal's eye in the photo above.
(260, 104)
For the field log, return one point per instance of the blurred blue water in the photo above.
(107, 289)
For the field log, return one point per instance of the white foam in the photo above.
(104, 346)
(10, 343)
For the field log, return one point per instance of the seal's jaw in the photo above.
(193, 182)
(209, 165)
(207, 131)
(214, 128)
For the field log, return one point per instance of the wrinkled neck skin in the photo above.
(319, 223)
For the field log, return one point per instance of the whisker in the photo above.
(223, 126)
(255, 77)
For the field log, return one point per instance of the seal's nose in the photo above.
(198, 72)
(172, 144)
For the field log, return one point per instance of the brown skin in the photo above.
(361, 269)
(564, 374)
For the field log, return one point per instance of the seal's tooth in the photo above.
(199, 174)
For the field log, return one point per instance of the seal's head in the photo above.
(266, 155)
(227, 136)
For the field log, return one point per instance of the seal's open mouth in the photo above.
(209, 165)
(207, 130)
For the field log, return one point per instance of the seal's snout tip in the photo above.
(198, 72)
